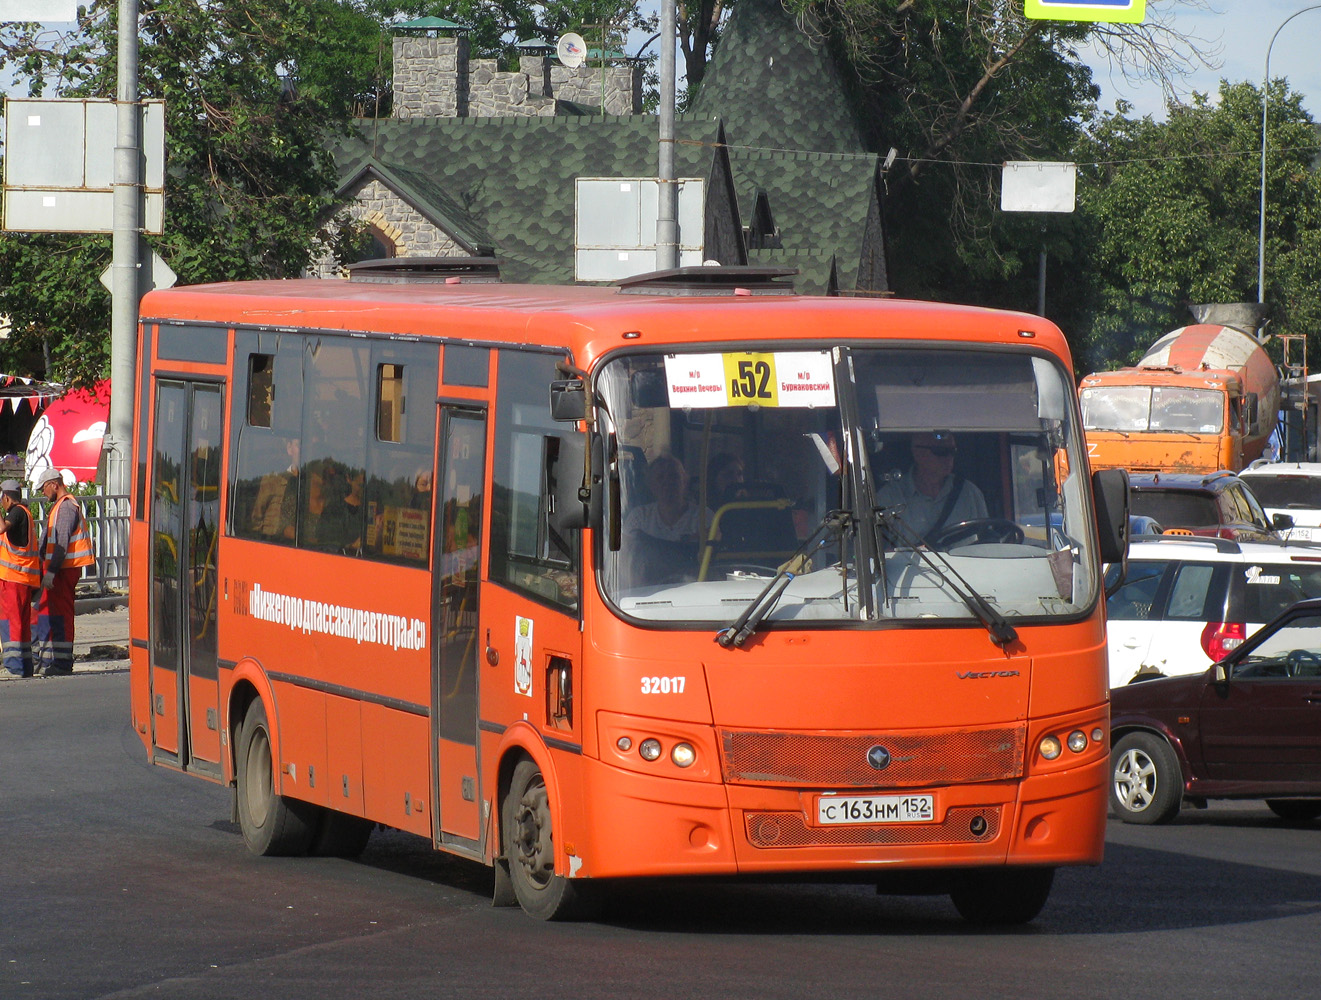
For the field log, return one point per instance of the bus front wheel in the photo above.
(529, 849)
(1001, 895)
(271, 823)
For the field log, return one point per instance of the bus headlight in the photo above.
(1050, 747)
(649, 749)
(1077, 741)
(683, 755)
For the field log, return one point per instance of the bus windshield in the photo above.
(884, 483)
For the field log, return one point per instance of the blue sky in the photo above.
(1239, 31)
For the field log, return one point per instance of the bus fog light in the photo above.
(1077, 741)
(1050, 747)
(624, 743)
(649, 749)
(1098, 735)
(683, 755)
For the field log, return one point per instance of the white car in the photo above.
(1188, 601)
(1292, 488)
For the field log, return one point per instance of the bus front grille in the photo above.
(789, 829)
(912, 759)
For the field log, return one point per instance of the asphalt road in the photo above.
(122, 880)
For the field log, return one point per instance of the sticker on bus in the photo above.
(523, 656)
(746, 378)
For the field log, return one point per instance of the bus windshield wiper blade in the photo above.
(1002, 633)
(738, 631)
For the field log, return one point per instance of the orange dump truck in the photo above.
(1204, 397)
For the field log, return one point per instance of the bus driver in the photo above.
(931, 495)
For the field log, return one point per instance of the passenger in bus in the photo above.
(724, 477)
(930, 496)
(275, 511)
(662, 535)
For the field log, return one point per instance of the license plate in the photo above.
(1299, 534)
(836, 809)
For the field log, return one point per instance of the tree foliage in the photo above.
(251, 101)
(1171, 214)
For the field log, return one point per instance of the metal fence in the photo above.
(107, 522)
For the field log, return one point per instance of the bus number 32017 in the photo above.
(662, 685)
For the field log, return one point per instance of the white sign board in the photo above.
(1028, 186)
(614, 225)
(59, 165)
(38, 10)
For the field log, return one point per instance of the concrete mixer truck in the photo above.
(1204, 397)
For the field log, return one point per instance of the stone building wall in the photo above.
(434, 78)
(412, 234)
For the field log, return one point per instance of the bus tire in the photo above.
(340, 835)
(1146, 783)
(1001, 895)
(529, 849)
(271, 823)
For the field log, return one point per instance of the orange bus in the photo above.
(591, 583)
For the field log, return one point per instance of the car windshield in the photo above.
(1140, 408)
(921, 482)
(1293, 650)
(1277, 490)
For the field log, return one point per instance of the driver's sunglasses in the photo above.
(938, 452)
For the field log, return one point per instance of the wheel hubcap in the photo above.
(1135, 781)
(532, 836)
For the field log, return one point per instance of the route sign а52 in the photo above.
(1124, 11)
(749, 378)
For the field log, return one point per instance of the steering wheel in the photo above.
(1304, 663)
(983, 529)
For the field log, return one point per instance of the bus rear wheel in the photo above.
(1001, 895)
(529, 849)
(271, 823)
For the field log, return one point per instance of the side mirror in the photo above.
(576, 506)
(1281, 522)
(1111, 496)
(1220, 673)
(568, 399)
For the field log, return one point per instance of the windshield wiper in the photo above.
(1002, 633)
(738, 631)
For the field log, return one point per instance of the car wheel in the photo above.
(1146, 785)
(1295, 810)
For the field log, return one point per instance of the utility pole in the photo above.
(667, 214)
(125, 286)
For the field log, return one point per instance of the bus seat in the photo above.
(757, 532)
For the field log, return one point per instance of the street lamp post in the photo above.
(1265, 90)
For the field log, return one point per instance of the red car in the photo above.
(1249, 727)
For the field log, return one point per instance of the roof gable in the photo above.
(775, 84)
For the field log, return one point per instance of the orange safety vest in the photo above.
(21, 565)
(79, 552)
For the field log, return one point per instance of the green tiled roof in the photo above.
(793, 135)
(512, 179)
(776, 85)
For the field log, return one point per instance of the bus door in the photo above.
(456, 792)
(185, 529)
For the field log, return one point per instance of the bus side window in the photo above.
(525, 554)
(265, 449)
(400, 454)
